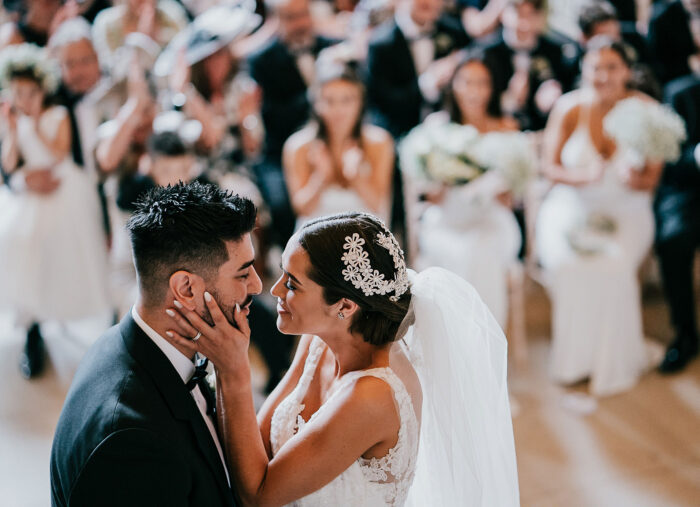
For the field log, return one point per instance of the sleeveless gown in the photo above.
(596, 303)
(367, 482)
(53, 247)
(337, 199)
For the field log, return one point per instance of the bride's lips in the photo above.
(281, 309)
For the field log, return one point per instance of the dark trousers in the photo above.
(273, 188)
(676, 256)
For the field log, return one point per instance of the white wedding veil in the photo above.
(466, 453)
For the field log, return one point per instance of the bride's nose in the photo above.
(276, 289)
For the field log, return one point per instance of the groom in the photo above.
(137, 427)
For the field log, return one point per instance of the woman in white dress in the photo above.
(52, 244)
(592, 276)
(338, 163)
(479, 242)
(369, 412)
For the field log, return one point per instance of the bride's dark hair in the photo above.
(379, 317)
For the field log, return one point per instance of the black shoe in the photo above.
(31, 363)
(678, 355)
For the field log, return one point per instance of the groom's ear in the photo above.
(187, 288)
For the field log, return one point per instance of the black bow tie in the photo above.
(199, 379)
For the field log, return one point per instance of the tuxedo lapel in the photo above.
(403, 53)
(175, 394)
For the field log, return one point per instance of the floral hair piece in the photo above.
(358, 269)
(29, 58)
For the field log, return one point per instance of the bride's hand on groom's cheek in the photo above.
(224, 344)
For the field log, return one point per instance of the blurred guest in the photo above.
(52, 245)
(149, 24)
(83, 91)
(529, 68)
(674, 38)
(479, 243)
(34, 20)
(598, 17)
(339, 163)
(410, 59)
(677, 210)
(481, 17)
(594, 229)
(284, 69)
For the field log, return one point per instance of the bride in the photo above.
(397, 394)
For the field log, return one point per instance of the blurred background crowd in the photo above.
(303, 106)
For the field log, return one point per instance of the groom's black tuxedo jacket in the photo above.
(131, 434)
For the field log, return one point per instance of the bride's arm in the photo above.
(282, 390)
(356, 420)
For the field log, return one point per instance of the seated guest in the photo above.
(482, 246)
(594, 229)
(677, 211)
(674, 38)
(599, 17)
(33, 24)
(284, 70)
(529, 68)
(339, 163)
(149, 24)
(410, 59)
(481, 17)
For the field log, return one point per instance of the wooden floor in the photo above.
(638, 449)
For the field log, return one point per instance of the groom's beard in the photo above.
(227, 310)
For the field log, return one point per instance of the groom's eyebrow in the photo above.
(246, 265)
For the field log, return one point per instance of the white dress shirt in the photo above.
(185, 368)
(423, 53)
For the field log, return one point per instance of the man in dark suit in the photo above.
(671, 38)
(284, 69)
(529, 68)
(137, 427)
(410, 59)
(677, 210)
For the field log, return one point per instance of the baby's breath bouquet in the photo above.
(441, 152)
(29, 58)
(511, 154)
(648, 130)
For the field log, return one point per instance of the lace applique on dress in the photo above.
(381, 481)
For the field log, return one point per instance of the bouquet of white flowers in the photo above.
(441, 153)
(650, 131)
(457, 154)
(29, 58)
(511, 154)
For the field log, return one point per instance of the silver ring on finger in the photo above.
(197, 336)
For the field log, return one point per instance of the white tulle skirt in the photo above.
(478, 244)
(596, 303)
(53, 255)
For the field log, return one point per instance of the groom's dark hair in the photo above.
(185, 227)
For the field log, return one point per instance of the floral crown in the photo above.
(359, 272)
(31, 59)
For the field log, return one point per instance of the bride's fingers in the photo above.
(183, 326)
(177, 339)
(194, 320)
(216, 314)
(241, 321)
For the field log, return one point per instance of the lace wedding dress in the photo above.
(53, 247)
(597, 317)
(367, 482)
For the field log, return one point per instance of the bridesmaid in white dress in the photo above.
(52, 244)
(338, 163)
(597, 320)
(480, 242)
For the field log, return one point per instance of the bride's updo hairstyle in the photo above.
(379, 317)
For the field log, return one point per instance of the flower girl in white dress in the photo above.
(594, 229)
(52, 244)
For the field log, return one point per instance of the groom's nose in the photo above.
(254, 282)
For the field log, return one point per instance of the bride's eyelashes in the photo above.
(288, 284)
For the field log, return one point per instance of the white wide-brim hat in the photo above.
(212, 30)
